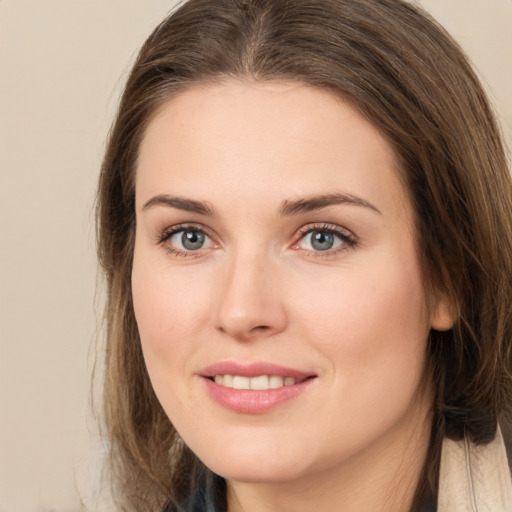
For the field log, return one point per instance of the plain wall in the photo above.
(62, 64)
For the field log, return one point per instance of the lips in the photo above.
(254, 388)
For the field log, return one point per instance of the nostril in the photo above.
(261, 328)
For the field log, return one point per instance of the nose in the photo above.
(250, 304)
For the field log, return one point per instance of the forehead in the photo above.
(268, 138)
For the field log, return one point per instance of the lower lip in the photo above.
(248, 401)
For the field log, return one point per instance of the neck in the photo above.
(381, 478)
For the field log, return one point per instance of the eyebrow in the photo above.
(181, 203)
(287, 208)
(312, 203)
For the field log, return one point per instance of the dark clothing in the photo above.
(198, 503)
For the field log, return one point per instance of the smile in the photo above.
(259, 383)
(255, 388)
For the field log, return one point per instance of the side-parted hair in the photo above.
(404, 74)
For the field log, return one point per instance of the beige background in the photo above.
(62, 63)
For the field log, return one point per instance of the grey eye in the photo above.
(324, 240)
(192, 240)
(188, 239)
(321, 241)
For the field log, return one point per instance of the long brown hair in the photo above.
(402, 71)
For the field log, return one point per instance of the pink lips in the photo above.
(250, 401)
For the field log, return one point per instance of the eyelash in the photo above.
(170, 232)
(349, 241)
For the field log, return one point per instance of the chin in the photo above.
(256, 473)
(256, 463)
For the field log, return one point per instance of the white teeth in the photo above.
(228, 381)
(260, 383)
(240, 382)
(275, 382)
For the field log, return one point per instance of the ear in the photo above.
(444, 313)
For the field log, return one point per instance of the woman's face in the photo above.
(275, 251)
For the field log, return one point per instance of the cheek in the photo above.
(372, 326)
(168, 304)
(371, 305)
(169, 308)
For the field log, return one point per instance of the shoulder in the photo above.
(474, 477)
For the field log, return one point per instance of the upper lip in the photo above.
(252, 370)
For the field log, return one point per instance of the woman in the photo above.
(305, 221)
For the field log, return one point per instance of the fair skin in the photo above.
(235, 265)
